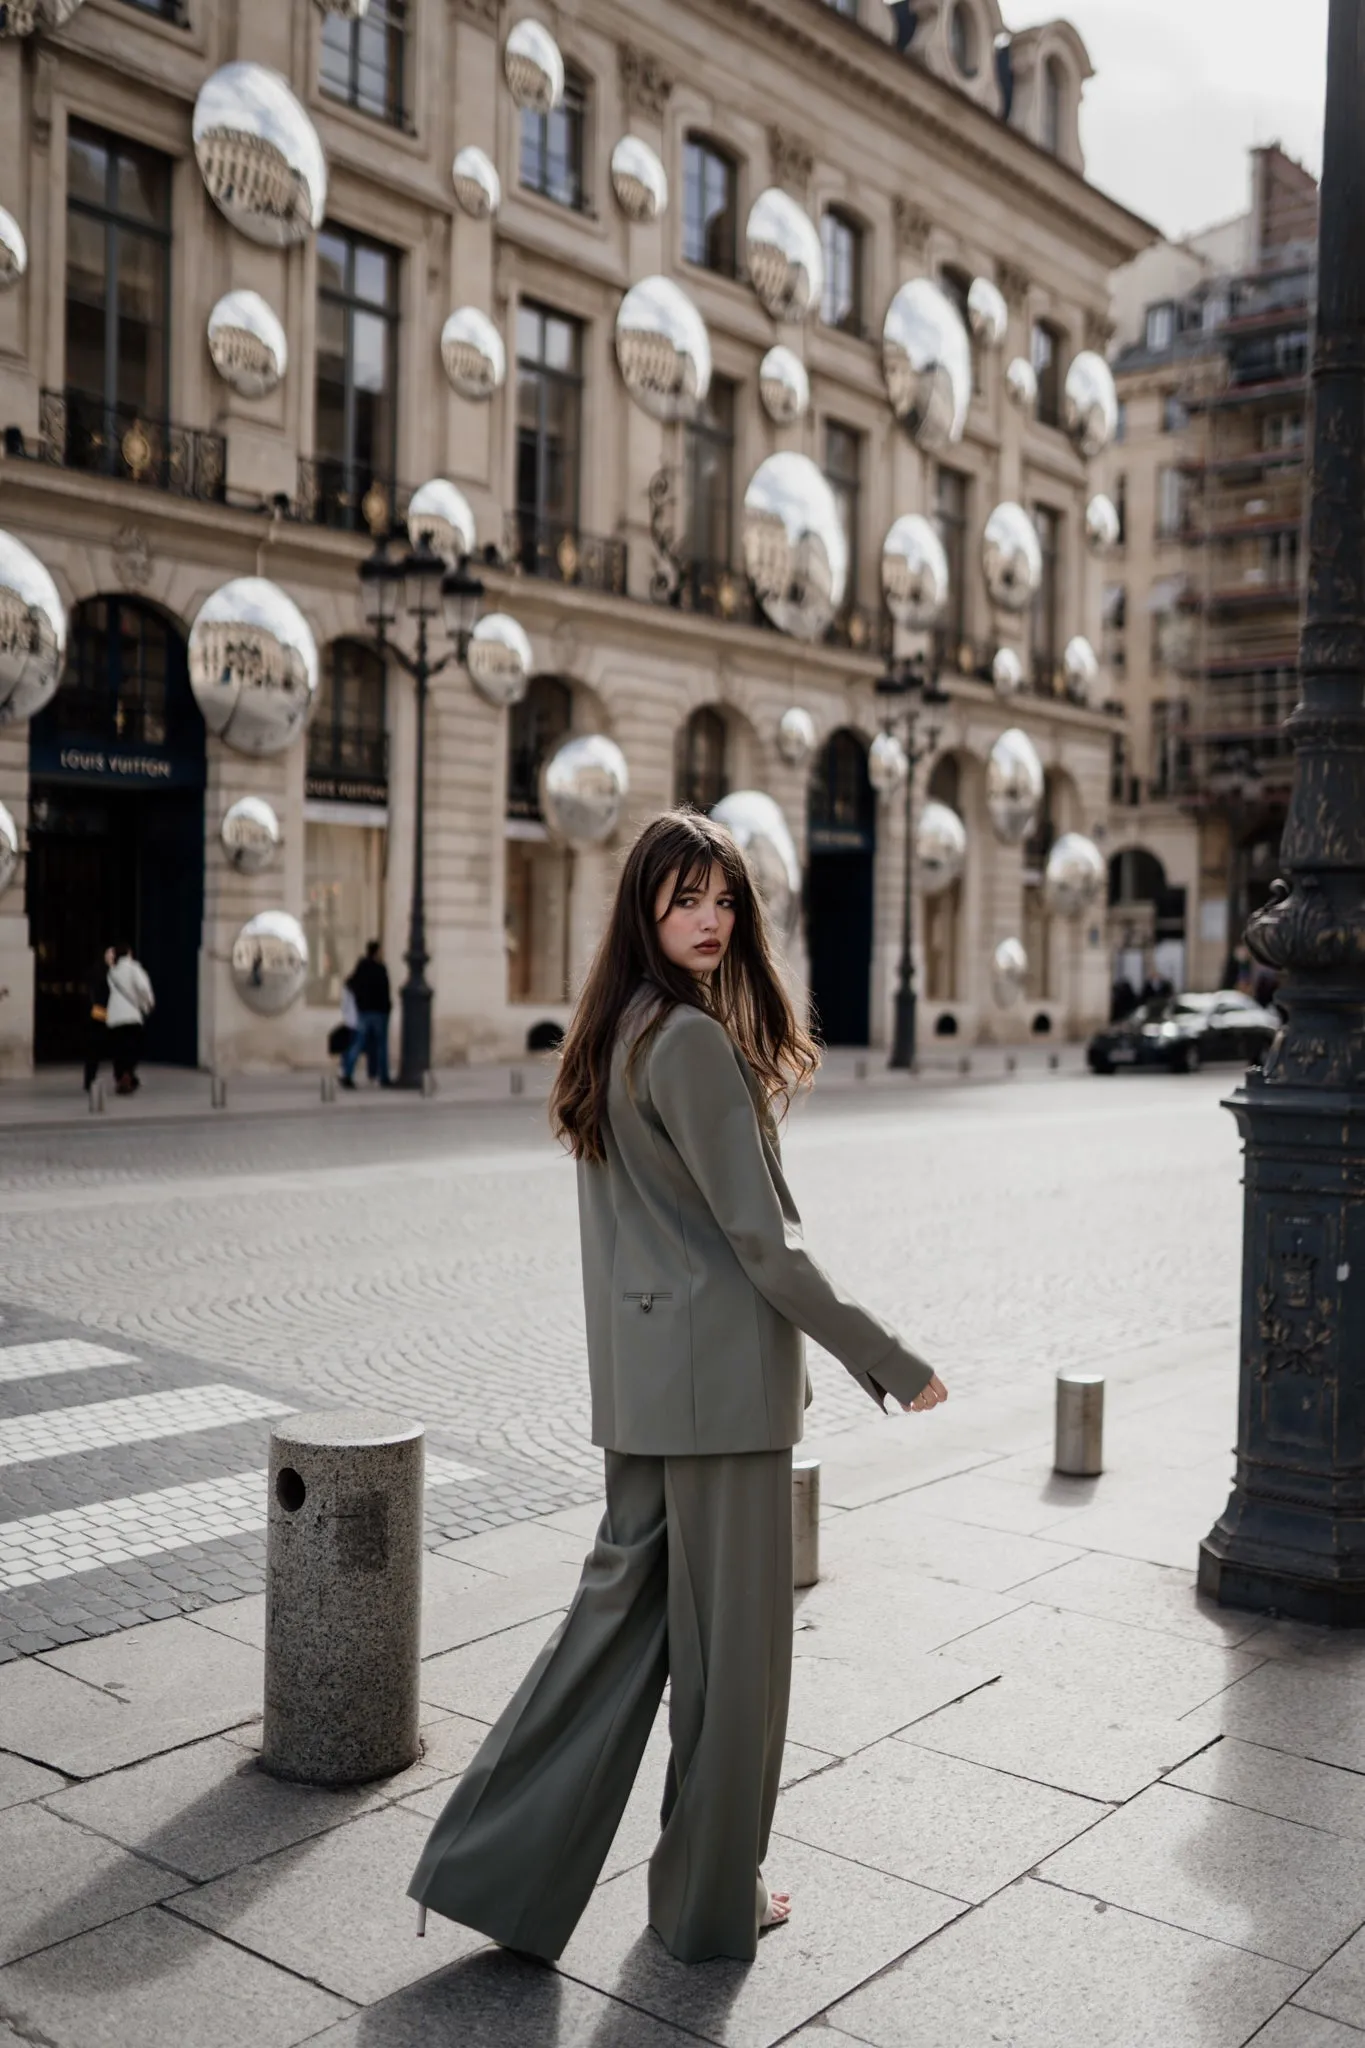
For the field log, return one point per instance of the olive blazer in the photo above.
(696, 1281)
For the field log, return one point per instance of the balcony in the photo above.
(560, 554)
(347, 496)
(77, 430)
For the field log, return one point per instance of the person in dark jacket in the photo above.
(369, 984)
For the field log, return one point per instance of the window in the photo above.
(842, 242)
(552, 146)
(950, 517)
(1160, 327)
(348, 733)
(343, 880)
(844, 475)
(164, 10)
(1114, 615)
(534, 730)
(1047, 365)
(941, 912)
(710, 206)
(1174, 418)
(118, 261)
(363, 61)
(964, 39)
(700, 778)
(116, 686)
(549, 424)
(1170, 503)
(1121, 507)
(957, 285)
(710, 458)
(1044, 626)
(1121, 422)
(357, 418)
(848, 7)
(1054, 104)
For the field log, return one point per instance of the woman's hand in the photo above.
(927, 1397)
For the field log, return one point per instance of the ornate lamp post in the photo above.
(913, 689)
(426, 586)
(1292, 1537)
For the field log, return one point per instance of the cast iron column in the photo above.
(415, 995)
(1292, 1537)
(903, 1033)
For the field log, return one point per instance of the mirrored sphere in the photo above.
(478, 188)
(472, 353)
(794, 546)
(250, 833)
(663, 349)
(887, 766)
(32, 632)
(1081, 668)
(499, 659)
(259, 154)
(270, 962)
(1011, 557)
(533, 67)
(638, 179)
(927, 363)
(796, 736)
(1090, 404)
(783, 386)
(987, 312)
(582, 788)
(344, 10)
(9, 849)
(1007, 671)
(1014, 787)
(914, 572)
(1009, 972)
(253, 666)
(247, 344)
(1021, 384)
(782, 249)
(1074, 876)
(940, 848)
(439, 514)
(759, 826)
(13, 251)
(1102, 527)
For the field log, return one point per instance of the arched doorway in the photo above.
(116, 845)
(701, 765)
(1146, 922)
(537, 899)
(842, 838)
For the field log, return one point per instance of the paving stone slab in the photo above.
(1338, 1989)
(1298, 1706)
(1144, 1595)
(1041, 1968)
(1139, 1669)
(583, 1521)
(884, 1616)
(1294, 2028)
(243, 1620)
(902, 1536)
(520, 1547)
(479, 1678)
(152, 1981)
(838, 1707)
(21, 1780)
(1270, 1781)
(996, 1504)
(57, 1880)
(1157, 1528)
(856, 1477)
(452, 1618)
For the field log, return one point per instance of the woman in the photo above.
(697, 1286)
(97, 1039)
(130, 1004)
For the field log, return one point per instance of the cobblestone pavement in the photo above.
(428, 1261)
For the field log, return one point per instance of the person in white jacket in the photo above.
(130, 1004)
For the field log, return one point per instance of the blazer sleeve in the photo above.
(705, 1107)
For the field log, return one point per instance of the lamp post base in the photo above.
(903, 1032)
(415, 1055)
(1237, 1572)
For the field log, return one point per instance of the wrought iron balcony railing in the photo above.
(80, 430)
(560, 554)
(348, 496)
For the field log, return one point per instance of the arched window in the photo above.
(535, 728)
(710, 205)
(348, 758)
(122, 662)
(700, 777)
(843, 805)
(1054, 105)
(964, 37)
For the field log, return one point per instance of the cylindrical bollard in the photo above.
(329, 1088)
(343, 1596)
(428, 1083)
(860, 1070)
(1079, 1450)
(517, 1080)
(217, 1092)
(805, 1521)
(96, 1094)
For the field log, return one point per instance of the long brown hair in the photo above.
(745, 994)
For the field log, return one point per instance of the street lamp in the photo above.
(911, 686)
(425, 585)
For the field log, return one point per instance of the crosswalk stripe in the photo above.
(57, 1354)
(138, 1418)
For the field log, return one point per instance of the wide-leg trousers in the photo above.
(690, 1579)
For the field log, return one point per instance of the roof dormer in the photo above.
(1049, 67)
(955, 39)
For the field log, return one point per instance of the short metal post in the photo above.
(428, 1082)
(1011, 1063)
(1079, 1450)
(1054, 1061)
(218, 1092)
(860, 1070)
(805, 1521)
(329, 1088)
(96, 1094)
(517, 1080)
(964, 1065)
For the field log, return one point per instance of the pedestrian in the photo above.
(97, 1024)
(341, 1037)
(697, 1286)
(130, 1004)
(369, 984)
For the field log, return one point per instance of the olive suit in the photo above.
(697, 1287)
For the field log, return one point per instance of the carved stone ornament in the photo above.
(913, 225)
(793, 162)
(483, 11)
(1099, 331)
(132, 558)
(645, 85)
(1013, 282)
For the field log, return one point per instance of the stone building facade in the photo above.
(921, 141)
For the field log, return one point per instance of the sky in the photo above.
(1184, 88)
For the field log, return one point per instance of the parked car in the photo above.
(1182, 1033)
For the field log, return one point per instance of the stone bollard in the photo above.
(517, 1080)
(1011, 1063)
(964, 1065)
(96, 1094)
(860, 1070)
(805, 1521)
(217, 1092)
(343, 1596)
(328, 1090)
(1079, 1448)
(1054, 1061)
(428, 1084)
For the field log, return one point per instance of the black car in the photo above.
(1182, 1033)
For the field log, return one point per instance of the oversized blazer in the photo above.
(696, 1282)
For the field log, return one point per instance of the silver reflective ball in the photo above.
(782, 249)
(927, 363)
(582, 788)
(270, 962)
(1007, 671)
(1090, 403)
(533, 67)
(253, 666)
(472, 353)
(1011, 557)
(1009, 972)
(987, 312)
(499, 659)
(13, 251)
(887, 765)
(478, 188)
(1014, 787)
(914, 572)
(9, 849)
(663, 349)
(1021, 385)
(1081, 668)
(638, 179)
(795, 551)
(759, 827)
(259, 155)
(796, 736)
(1074, 876)
(783, 386)
(439, 514)
(1102, 526)
(250, 833)
(247, 344)
(32, 632)
(940, 848)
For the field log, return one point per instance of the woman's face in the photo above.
(695, 930)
